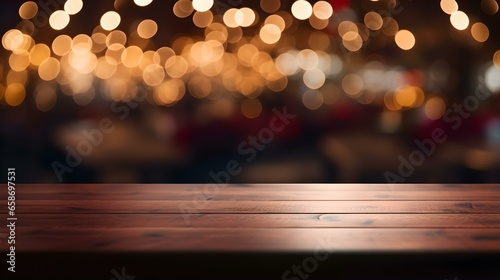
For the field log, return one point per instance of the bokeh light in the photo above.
(405, 39)
(435, 108)
(302, 9)
(480, 32)
(449, 6)
(142, 3)
(147, 28)
(203, 5)
(28, 10)
(15, 94)
(73, 7)
(270, 33)
(59, 20)
(110, 20)
(322, 10)
(353, 85)
(373, 20)
(496, 59)
(489, 7)
(251, 108)
(459, 20)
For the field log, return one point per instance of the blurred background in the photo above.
(250, 91)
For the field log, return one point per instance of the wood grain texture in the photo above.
(103, 221)
(245, 207)
(256, 192)
(257, 218)
(260, 240)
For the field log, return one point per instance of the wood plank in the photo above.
(289, 186)
(260, 221)
(255, 207)
(256, 240)
(259, 192)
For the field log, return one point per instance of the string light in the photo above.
(241, 53)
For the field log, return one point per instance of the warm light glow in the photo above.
(39, 53)
(492, 79)
(286, 63)
(346, 26)
(153, 75)
(251, 108)
(229, 18)
(183, 8)
(169, 92)
(459, 20)
(110, 20)
(409, 96)
(449, 6)
(203, 5)
(307, 59)
(15, 94)
(244, 17)
(104, 70)
(352, 41)
(496, 59)
(353, 85)
(312, 99)
(82, 44)
(302, 9)
(203, 19)
(480, 32)
(390, 27)
(489, 7)
(16, 77)
(131, 56)
(176, 66)
(270, 34)
(276, 20)
(322, 10)
(142, 3)
(147, 29)
(49, 69)
(116, 37)
(73, 7)
(233, 56)
(435, 108)
(405, 39)
(317, 23)
(373, 21)
(19, 61)
(270, 6)
(314, 78)
(12, 39)
(62, 45)
(28, 10)
(83, 63)
(59, 20)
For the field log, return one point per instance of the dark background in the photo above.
(342, 142)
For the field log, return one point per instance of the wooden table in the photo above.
(261, 229)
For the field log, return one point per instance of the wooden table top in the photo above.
(257, 218)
